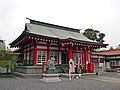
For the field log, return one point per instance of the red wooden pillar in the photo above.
(58, 55)
(70, 52)
(26, 53)
(48, 52)
(22, 55)
(86, 58)
(98, 61)
(91, 67)
(43, 68)
(35, 55)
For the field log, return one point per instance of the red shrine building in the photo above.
(41, 41)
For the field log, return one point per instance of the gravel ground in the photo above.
(15, 83)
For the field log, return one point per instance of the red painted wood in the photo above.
(47, 45)
(91, 67)
(26, 53)
(22, 56)
(48, 52)
(70, 52)
(77, 51)
(41, 44)
(58, 54)
(35, 56)
(43, 68)
(86, 58)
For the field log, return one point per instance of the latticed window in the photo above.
(32, 55)
(41, 56)
(114, 62)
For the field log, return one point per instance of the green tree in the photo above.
(94, 35)
(111, 48)
(7, 59)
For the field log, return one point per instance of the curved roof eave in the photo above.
(53, 33)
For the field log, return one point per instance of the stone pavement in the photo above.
(107, 79)
(86, 83)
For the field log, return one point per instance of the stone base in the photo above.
(22, 75)
(51, 78)
(70, 75)
(29, 69)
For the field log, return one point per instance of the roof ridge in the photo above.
(53, 25)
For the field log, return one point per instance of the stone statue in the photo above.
(51, 74)
(50, 69)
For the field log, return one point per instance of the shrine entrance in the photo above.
(78, 59)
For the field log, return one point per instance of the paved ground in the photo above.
(108, 77)
(86, 83)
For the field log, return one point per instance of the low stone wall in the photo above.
(63, 68)
(38, 69)
(29, 69)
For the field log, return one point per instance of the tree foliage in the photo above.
(7, 59)
(111, 48)
(94, 35)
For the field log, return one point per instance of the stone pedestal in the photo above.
(51, 74)
(51, 78)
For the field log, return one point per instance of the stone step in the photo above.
(51, 78)
(22, 75)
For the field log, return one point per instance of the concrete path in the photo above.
(107, 79)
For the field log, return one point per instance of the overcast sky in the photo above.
(102, 15)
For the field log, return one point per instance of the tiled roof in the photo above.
(109, 52)
(55, 33)
(46, 30)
